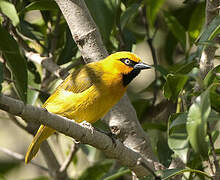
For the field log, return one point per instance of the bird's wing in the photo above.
(77, 82)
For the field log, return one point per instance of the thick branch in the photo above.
(117, 150)
(123, 117)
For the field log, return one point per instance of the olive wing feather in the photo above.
(77, 82)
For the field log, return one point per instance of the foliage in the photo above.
(179, 37)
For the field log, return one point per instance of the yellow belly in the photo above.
(90, 105)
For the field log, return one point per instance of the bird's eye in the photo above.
(127, 61)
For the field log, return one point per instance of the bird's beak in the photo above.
(141, 66)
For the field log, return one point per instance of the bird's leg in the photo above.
(88, 125)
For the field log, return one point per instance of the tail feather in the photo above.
(42, 134)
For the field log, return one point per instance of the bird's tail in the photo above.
(42, 134)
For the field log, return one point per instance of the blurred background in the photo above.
(163, 32)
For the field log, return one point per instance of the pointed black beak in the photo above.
(141, 66)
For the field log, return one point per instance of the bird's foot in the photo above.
(88, 125)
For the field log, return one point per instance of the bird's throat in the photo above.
(127, 78)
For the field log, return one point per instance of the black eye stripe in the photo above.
(131, 64)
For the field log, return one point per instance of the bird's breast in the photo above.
(96, 103)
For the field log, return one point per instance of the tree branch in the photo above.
(66, 163)
(47, 63)
(117, 150)
(20, 157)
(53, 164)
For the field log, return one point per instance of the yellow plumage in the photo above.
(89, 92)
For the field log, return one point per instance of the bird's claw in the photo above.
(88, 125)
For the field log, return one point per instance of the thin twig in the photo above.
(77, 62)
(32, 55)
(153, 51)
(20, 157)
(214, 9)
(211, 166)
(20, 38)
(55, 34)
(122, 43)
(29, 87)
(46, 62)
(66, 163)
(216, 162)
(38, 90)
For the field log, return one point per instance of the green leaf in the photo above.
(208, 34)
(154, 126)
(186, 68)
(140, 105)
(170, 48)
(5, 167)
(69, 49)
(15, 61)
(129, 38)
(163, 151)
(129, 14)
(162, 70)
(118, 174)
(97, 171)
(169, 173)
(212, 76)
(153, 8)
(176, 28)
(217, 151)
(2, 177)
(30, 31)
(43, 5)
(177, 135)
(9, 10)
(173, 86)
(197, 21)
(215, 97)
(215, 135)
(32, 95)
(103, 15)
(197, 124)
(214, 116)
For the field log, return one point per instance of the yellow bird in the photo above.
(89, 92)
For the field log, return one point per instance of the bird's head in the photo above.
(126, 64)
